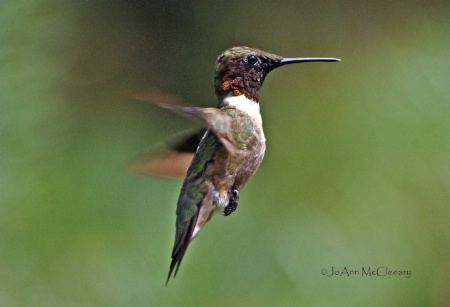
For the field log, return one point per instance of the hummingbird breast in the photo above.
(234, 170)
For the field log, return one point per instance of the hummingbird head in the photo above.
(242, 70)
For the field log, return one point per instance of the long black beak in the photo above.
(302, 60)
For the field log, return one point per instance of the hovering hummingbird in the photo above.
(228, 153)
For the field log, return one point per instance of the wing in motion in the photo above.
(170, 159)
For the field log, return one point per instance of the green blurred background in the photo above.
(356, 174)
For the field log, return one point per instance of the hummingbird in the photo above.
(224, 156)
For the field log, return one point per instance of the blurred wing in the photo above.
(218, 120)
(171, 159)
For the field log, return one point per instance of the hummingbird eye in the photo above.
(252, 59)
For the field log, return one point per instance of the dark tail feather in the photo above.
(178, 254)
(176, 261)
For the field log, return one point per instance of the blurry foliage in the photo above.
(357, 169)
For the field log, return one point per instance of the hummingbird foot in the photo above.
(233, 203)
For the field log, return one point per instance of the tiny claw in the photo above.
(233, 203)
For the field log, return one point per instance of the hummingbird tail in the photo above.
(180, 249)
